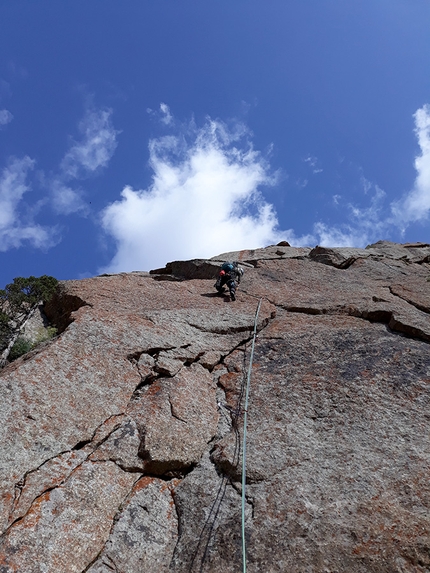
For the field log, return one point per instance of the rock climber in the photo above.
(230, 275)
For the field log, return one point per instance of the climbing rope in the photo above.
(245, 419)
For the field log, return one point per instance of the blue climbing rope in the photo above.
(245, 419)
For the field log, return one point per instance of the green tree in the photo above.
(19, 300)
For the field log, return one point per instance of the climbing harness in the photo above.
(245, 416)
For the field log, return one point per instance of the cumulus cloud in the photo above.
(5, 117)
(415, 206)
(96, 147)
(204, 198)
(16, 227)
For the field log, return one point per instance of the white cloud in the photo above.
(311, 160)
(302, 183)
(85, 157)
(15, 227)
(204, 198)
(366, 184)
(164, 114)
(167, 116)
(66, 200)
(313, 163)
(96, 147)
(364, 225)
(341, 236)
(415, 206)
(5, 117)
(12, 188)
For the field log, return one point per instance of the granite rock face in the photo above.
(121, 438)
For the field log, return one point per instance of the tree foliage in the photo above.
(5, 329)
(21, 346)
(24, 293)
(18, 301)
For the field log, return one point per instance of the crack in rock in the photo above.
(409, 300)
(397, 323)
(173, 412)
(55, 471)
(332, 397)
(93, 492)
(144, 530)
(200, 525)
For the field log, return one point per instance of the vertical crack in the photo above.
(114, 521)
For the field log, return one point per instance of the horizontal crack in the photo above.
(81, 445)
(150, 351)
(411, 302)
(226, 330)
(382, 316)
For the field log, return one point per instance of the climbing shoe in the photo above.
(232, 296)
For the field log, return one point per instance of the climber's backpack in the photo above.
(227, 267)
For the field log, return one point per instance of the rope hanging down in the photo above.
(245, 417)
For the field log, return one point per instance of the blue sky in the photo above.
(137, 132)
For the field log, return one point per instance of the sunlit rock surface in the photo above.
(121, 439)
